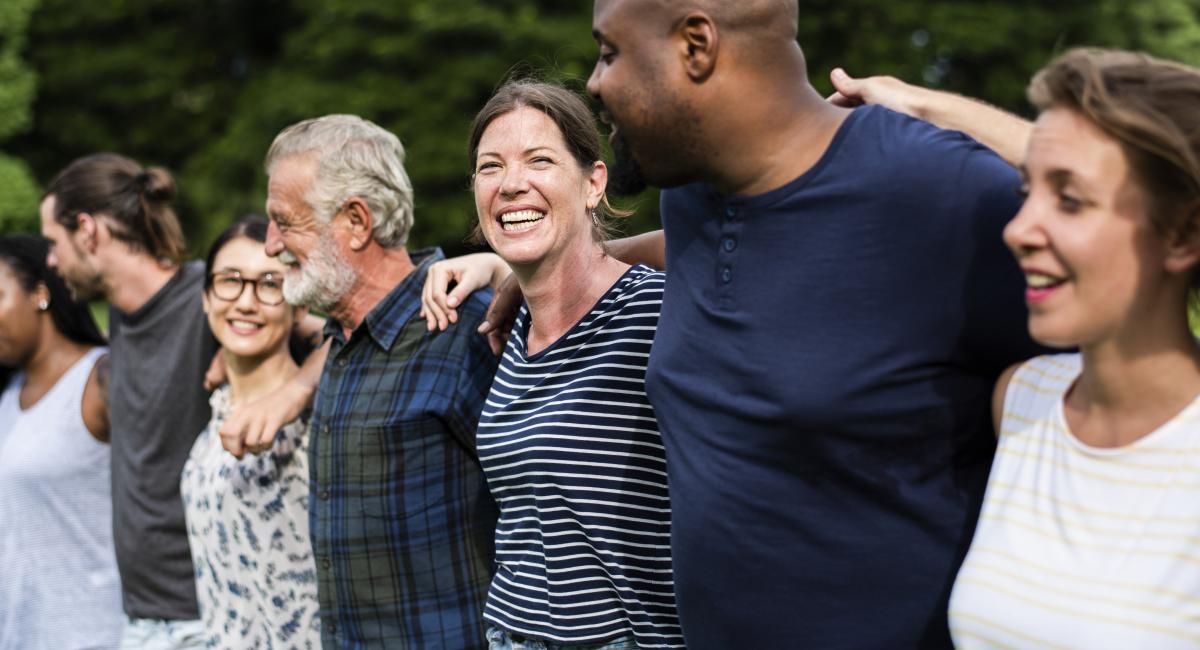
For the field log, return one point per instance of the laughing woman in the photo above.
(1090, 527)
(567, 439)
(247, 519)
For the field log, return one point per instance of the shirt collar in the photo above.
(385, 320)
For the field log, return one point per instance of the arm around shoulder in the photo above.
(648, 248)
(997, 129)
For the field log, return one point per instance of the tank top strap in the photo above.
(1036, 390)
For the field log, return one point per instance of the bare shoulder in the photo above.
(998, 394)
(95, 399)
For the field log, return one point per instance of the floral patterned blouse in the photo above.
(247, 526)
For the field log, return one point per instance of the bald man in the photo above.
(838, 305)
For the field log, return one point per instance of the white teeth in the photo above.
(521, 215)
(1041, 280)
(244, 324)
(519, 226)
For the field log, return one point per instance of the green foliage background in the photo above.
(201, 86)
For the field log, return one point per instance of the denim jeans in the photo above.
(154, 634)
(499, 639)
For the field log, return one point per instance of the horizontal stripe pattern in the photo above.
(1079, 546)
(573, 457)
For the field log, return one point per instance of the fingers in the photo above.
(231, 436)
(838, 99)
(432, 297)
(849, 90)
(263, 438)
(215, 375)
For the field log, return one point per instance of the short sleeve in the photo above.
(997, 329)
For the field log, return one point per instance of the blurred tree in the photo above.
(419, 69)
(986, 48)
(152, 79)
(202, 86)
(18, 191)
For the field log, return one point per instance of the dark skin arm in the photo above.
(647, 248)
(95, 400)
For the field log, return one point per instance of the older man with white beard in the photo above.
(401, 517)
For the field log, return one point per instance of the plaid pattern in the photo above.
(402, 520)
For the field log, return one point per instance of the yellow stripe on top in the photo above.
(1082, 547)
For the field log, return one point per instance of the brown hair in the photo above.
(1151, 108)
(134, 202)
(573, 119)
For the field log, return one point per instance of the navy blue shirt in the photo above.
(822, 376)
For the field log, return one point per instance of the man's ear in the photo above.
(698, 41)
(360, 222)
(87, 232)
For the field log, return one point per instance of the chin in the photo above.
(250, 349)
(1058, 335)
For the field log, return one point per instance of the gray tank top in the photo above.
(58, 576)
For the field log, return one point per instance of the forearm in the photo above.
(997, 129)
(309, 374)
(647, 248)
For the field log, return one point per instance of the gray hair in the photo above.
(354, 157)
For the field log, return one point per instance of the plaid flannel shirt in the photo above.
(402, 521)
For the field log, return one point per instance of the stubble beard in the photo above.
(322, 281)
(625, 178)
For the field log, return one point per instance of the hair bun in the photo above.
(156, 184)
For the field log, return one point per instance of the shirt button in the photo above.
(325, 429)
(332, 627)
(342, 362)
(727, 275)
(731, 213)
(324, 495)
(325, 563)
(729, 243)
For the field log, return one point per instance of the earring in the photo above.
(43, 304)
(595, 217)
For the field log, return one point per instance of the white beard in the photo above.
(321, 282)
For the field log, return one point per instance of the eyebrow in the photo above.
(524, 153)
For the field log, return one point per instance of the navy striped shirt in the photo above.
(572, 454)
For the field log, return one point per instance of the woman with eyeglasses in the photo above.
(247, 519)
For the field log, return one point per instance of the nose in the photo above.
(247, 300)
(515, 181)
(593, 82)
(1024, 234)
(274, 244)
(51, 259)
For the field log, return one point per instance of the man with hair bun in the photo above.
(401, 519)
(114, 236)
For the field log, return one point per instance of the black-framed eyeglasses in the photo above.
(228, 285)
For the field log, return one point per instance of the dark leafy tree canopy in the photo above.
(202, 86)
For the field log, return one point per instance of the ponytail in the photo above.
(134, 202)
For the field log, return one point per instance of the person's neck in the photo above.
(251, 378)
(1133, 384)
(132, 279)
(55, 354)
(778, 136)
(561, 290)
(379, 270)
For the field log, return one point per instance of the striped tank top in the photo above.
(572, 454)
(1080, 546)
